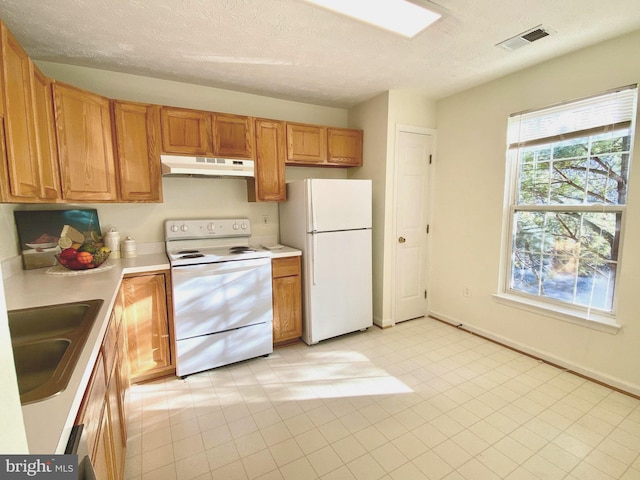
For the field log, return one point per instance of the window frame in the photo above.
(603, 320)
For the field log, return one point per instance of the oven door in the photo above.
(218, 297)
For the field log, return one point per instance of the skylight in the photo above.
(398, 16)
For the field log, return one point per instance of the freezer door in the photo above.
(338, 204)
(337, 284)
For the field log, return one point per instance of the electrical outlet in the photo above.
(466, 292)
(265, 219)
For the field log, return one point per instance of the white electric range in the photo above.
(221, 293)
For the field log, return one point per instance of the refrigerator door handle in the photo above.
(313, 210)
(314, 240)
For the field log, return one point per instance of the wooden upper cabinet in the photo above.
(344, 146)
(186, 132)
(306, 144)
(20, 178)
(42, 97)
(137, 151)
(233, 136)
(85, 144)
(314, 145)
(269, 184)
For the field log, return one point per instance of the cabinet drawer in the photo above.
(285, 267)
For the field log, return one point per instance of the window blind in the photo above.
(609, 111)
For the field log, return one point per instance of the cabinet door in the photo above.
(233, 136)
(124, 372)
(85, 148)
(137, 134)
(115, 423)
(123, 384)
(146, 316)
(269, 184)
(45, 135)
(21, 176)
(92, 407)
(186, 132)
(306, 144)
(345, 147)
(287, 299)
(103, 455)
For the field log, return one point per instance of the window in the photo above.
(567, 189)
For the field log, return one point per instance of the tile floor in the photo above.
(422, 400)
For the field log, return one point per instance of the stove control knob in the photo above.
(174, 228)
(211, 227)
(184, 228)
(236, 226)
(244, 226)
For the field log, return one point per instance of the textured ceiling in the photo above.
(292, 50)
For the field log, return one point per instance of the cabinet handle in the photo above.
(402, 240)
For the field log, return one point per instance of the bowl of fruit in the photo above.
(83, 256)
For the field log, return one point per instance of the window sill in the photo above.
(596, 321)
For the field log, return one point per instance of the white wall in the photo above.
(469, 186)
(183, 197)
(371, 116)
(378, 117)
(137, 88)
(412, 109)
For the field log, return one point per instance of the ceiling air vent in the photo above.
(525, 38)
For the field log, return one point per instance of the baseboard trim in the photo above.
(597, 377)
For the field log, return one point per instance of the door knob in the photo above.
(402, 240)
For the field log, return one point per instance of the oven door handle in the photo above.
(197, 270)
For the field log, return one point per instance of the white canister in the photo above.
(128, 248)
(112, 242)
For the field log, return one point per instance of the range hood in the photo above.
(175, 165)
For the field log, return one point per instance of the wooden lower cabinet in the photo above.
(287, 299)
(92, 408)
(109, 452)
(102, 413)
(116, 424)
(140, 310)
(147, 300)
(103, 458)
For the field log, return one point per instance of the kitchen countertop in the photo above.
(285, 252)
(48, 423)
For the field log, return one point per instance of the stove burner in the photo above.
(192, 255)
(187, 251)
(241, 249)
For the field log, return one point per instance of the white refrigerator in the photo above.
(330, 221)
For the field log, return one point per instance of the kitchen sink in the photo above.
(47, 342)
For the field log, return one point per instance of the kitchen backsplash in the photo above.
(183, 197)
